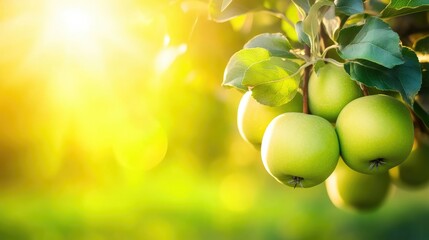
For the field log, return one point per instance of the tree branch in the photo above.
(307, 71)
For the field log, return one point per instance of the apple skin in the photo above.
(348, 189)
(300, 145)
(254, 117)
(375, 132)
(414, 171)
(330, 90)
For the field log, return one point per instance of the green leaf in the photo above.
(422, 44)
(224, 10)
(401, 7)
(405, 79)
(304, 5)
(331, 22)
(289, 29)
(276, 43)
(239, 63)
(349, 7)
(311, 24)
(374, 41)
(272, 81)
(421, 113)
(302, 37)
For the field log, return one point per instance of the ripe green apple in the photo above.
(349, 189)
(414, 171)
(376, 133)
(300, 149)
(253, 117)
(330, 90)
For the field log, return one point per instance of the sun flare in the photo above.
(89, 63)
(75, 21)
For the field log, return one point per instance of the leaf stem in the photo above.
(329, 48)
(307, 71)
(335, 62)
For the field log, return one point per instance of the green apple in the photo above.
(414, 171)
(330, 90)
(376, 133)
(253, 117)
(349, 189)
(300, 149)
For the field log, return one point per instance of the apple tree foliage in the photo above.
(354, 34)
(378, 46)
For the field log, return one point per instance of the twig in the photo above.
(307, 71)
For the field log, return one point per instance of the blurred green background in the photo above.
(113, 125)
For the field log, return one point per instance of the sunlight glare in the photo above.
(75, 26)
(75, 21)
(88, 64)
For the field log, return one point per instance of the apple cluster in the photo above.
(359, 145)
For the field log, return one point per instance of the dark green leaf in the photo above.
(272, 81)
(349, 7)
(401, 7)
(374, 41)
(276, 43)
(421, 113)
(405, 79)
(224, 10)
(302, 37)
(239, 63)
(422, 44)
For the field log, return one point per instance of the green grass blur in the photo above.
(138, 140)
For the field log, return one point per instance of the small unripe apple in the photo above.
(254, 117)
(414, 171)
(300, 150)
(349, 189)
(376, 133)
(330, 90)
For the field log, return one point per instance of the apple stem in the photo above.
(307, 71)
(364, 89)
(296, 180)
(376, 163)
